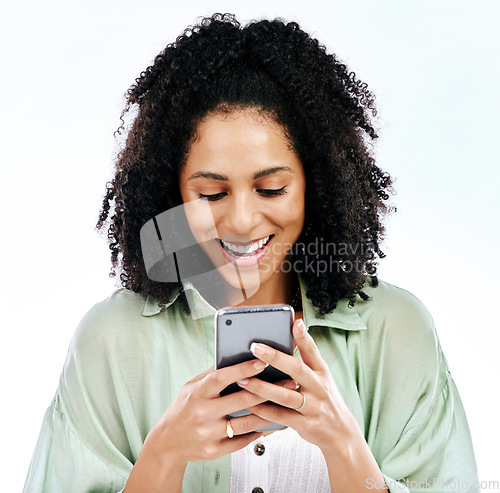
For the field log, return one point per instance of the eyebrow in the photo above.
(259, 174)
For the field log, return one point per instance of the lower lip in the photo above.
(245, 261)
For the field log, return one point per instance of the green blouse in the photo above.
(127, 361)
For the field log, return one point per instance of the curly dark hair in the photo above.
(327, 113)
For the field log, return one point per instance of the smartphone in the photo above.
(237, 328)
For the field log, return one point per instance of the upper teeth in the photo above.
(245, 249)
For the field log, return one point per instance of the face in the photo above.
(254, 184)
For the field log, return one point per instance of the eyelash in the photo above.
(264, 192)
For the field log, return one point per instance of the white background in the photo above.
(65, 67)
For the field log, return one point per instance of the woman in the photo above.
(271, 134)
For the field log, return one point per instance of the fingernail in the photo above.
(243, 382)
(260, 365)
(257, 348)
(301, 327)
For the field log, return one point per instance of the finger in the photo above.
(246, 424)
(236, 402)
(288, 384)
(230, 445)
(309, 352)
(288, 364)
(241, 400)
(219, 379)
(277, 414)
(274, 393)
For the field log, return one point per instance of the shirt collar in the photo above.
(343, 317)
(197, 303)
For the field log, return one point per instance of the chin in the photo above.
(244, 279)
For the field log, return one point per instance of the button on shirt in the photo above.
(127, 362)
(267, 465)
(259, 449)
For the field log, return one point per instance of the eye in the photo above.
(267, 192)
(212, 198)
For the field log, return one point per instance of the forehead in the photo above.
(239, 141)
(237, 120)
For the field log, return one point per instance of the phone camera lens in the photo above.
(229, 321)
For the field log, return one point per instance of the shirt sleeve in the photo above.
(84, 443)
(63, 463)
(418, 429)
(435, 455)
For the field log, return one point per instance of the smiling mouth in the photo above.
(243, 250)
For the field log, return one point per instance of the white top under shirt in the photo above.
(289, 464)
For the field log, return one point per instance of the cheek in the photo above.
(289, 218)
(200, 219)
(294, 210)
(294, 215)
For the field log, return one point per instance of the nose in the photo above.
(242, 215)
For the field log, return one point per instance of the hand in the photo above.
(196, 420)
(324, 420)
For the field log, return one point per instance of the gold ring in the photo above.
(303, 402)
(229, 429)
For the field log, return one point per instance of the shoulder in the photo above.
(397, 316)
(104, 369)
(401, 368)
(121, 306)
(113, 320)
(392, 302)
(111, 345)
(401, 335)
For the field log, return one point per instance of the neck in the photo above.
(275, 293)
